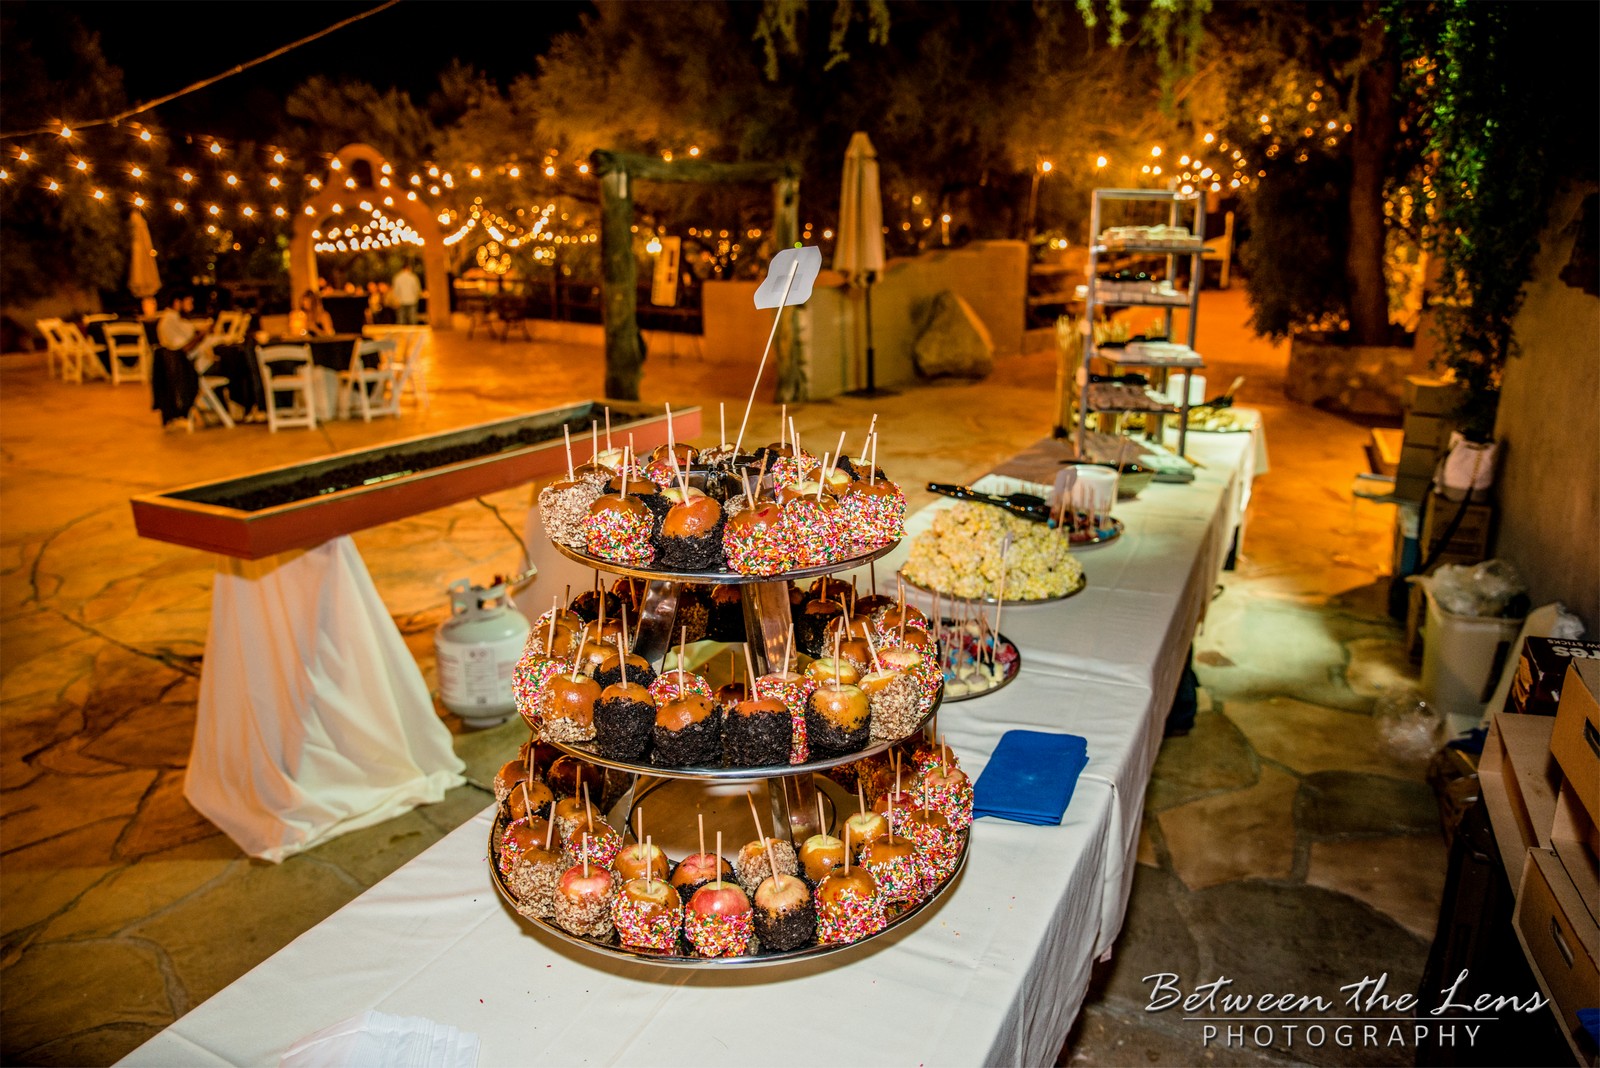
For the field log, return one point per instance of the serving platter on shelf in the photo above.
(610, 947)
(1088, 539)
(953, 690)
(582, 751)
(1078, 588)
(722, 577)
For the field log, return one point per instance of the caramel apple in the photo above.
(865, 827)
(810, 627)
(583, 900)
(619, 528)
(520, 836)
(785, 917)
(688, 733)
(730, 694)
(697, 869)
(609, 673)
(530, 798)
(567, 774)
(506, 779)
(572, 699)
(648, 915)
(757, 733)
(675, 494)
(819, 855)
(947, 790)
(564, 509)
(825, 669)
(640, 859)
(849, 907)
(837, 719)
(718, 923)
(533, 879)
(895, 700)
(756, 540)
(752, 864)
(690, 538)
(894, 864)
(624, 719)
(684, 454)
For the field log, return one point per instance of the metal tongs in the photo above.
(1027, 506)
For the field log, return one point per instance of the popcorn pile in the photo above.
(960, 555)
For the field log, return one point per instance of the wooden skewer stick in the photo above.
(822, 824)
(649, 864)
(788, 649)
(672, 444)
(861, 799)
(608, 428)
(847, 848)
(772, 862)
(583, 636)
(750, 668)
(873, 649)
(750, 799)
(585, 854)
(783, 425)
(719, 860)
(762, 366)
(638, 824)
(722, 423)
(550, 831)
(550, 642)
(700, 818)
(567, 436)
(683, 640)
(822, 483)
(594, 441)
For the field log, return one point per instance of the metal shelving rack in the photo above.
(1194, 249)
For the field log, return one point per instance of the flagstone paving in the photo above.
(1280, 842)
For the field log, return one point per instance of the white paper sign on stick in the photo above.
(803, 264)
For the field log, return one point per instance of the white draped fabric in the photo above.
(314, 719)
(994, 973)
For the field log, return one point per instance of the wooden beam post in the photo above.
(624, 343)
(794, 374)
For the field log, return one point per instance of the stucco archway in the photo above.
(373, 184)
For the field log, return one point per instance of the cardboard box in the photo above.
(1519, 779)
(1561, 942)
(1541, 672)
(1576, 738)
(1416, 461)
(1576, 842)
(1427, 431)
(1432, 396)
(1470, 541)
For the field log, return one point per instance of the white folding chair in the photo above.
(54, 356)
(128, 348)
(407, 362)
(81, 358)
(368, 390)
(230, 327)
(302, 410)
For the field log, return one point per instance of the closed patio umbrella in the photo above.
(858, 253)
(144, 280)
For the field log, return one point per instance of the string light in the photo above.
(66, 131)
(144, 135)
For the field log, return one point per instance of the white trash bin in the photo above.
(1462, 657)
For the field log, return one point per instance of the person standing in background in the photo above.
(405, 292)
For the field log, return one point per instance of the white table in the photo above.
(995, 973)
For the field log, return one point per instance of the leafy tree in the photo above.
(53, 67)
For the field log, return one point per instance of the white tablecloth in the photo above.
(994, 973)
(313, 718)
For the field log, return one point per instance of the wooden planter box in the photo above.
(350, 491)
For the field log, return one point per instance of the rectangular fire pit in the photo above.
(301, 505)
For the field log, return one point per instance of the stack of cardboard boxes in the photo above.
(1424, 518)
(1540, 780)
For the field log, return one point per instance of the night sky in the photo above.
(164, 46)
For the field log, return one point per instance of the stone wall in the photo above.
(1354, 379)
(991, 276)
(1549, 429)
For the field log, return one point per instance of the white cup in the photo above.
(1094, 494)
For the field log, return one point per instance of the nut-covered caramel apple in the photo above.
(572, 699)
(583, 900)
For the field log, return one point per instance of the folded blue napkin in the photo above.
(1030, 777)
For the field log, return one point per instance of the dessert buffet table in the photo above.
(994, 973)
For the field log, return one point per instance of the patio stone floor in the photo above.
(1280, 844)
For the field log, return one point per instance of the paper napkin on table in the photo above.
(1030, 777)
(378, 1038)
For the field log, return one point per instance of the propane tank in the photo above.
(477, 648)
